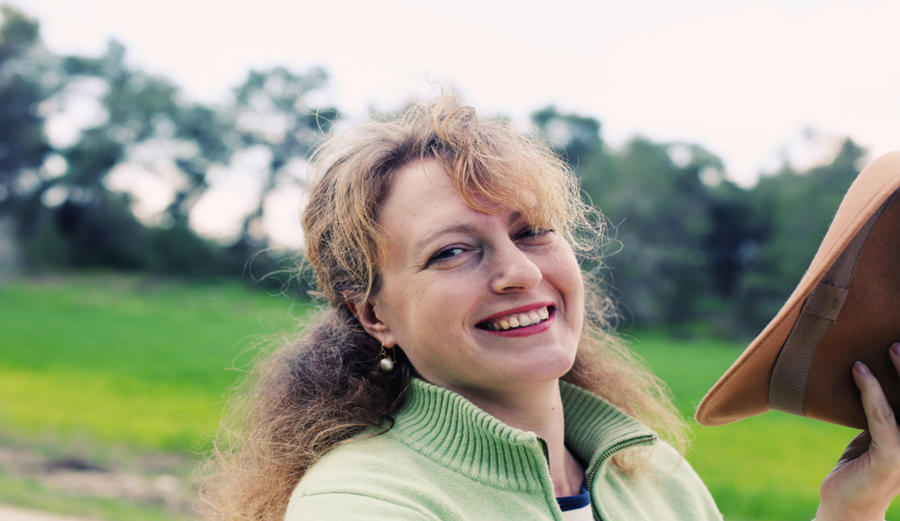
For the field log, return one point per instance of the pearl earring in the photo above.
(386, 364)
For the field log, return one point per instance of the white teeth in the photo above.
(520, 320)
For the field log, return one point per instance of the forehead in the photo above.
(423, 199)
(420, 183)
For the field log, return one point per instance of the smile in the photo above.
(517, 320)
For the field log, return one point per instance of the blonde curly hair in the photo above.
(319, 391)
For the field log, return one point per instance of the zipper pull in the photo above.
(543, 443)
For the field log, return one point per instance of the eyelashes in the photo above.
(535, 232)
(528, 235)
(447, 253)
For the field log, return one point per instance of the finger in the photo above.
(895, 356)
(882, 423)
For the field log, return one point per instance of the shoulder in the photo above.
(370, 478)
(352, 507)
(667, 484)
(374, 463)
(683, 488)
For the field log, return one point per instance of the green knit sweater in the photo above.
(446, 459)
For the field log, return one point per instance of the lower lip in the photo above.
(525, 331)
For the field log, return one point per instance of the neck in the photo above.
(537, 408)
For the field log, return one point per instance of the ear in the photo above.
(367, 315)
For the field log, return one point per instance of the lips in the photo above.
(517, 319)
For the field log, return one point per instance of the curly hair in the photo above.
(319, 391)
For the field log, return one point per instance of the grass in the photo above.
(145, 363)
(124, 359)
(767, 467)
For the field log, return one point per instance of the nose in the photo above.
(513, 270)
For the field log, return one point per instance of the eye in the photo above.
(531, 233)
(447, 253)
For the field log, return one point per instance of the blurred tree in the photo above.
(661, 213)
(572, 136)
(694, 247)
(68, 180)
(688, 245)
(27, 78)
(145, 110)
(733, 239)
(791, 212)
(268, 115)
(130, 110)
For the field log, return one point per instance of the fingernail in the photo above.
(895, 349)
(860, 368)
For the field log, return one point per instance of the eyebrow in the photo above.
(454, 228)
(458, 228)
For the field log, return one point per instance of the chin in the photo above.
(547, 369)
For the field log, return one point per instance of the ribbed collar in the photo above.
(452, 431)
(595, 428)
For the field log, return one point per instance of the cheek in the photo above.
(430, 331)
(568, 279)
(577, 301)
(428, 311)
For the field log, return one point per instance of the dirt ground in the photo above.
(158, 480)
(8, 513)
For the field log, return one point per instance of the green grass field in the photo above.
(765, 467)
(144, 363)
(123, 359)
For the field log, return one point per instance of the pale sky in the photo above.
(744, 78)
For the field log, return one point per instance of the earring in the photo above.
(386, 364)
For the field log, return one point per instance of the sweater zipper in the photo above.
(546, 452)
(608, 454)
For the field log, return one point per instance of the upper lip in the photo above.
(520, 309)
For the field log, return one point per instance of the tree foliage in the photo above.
(267, 115)
(59, 191)
(689, 247)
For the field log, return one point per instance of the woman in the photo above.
(464, 370)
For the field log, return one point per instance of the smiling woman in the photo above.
(446, 244)
(463, 368)
(447, 291)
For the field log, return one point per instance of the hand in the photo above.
(867, 477)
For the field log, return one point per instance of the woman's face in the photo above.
(456, 281)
